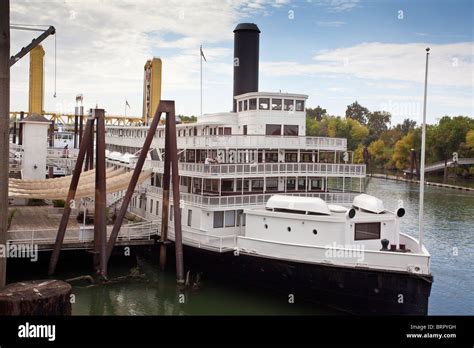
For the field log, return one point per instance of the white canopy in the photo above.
(307, 204)
(58, 188)
(368, 203)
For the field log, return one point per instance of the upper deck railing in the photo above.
(253, 199)
(265, 169)
(113, 136)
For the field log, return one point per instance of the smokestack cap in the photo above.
(246, 27)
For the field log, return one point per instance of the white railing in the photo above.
(236, 141)
(255, 199)
(264, 169)
(139, 231)
(62, 153)
(202, 238)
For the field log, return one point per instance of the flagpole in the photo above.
(200, 55)
(422, 160)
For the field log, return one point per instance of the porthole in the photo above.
(288, 229)
(315, 232)
(266, 226)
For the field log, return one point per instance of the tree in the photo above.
(316, 113)
(377, 152)
(357, 112)
(187, 119)
(447, 137)
(402, 151)
(378, 122)
(406, 126)
(470, 139)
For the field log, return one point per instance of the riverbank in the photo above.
(429, 183)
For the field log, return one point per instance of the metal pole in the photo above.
(91, 148)
(4, 127)
(76, 121)
(178, 237)
(70, 197)
(200, 55)
(51, 134)
(100, 220)
(20, 131)
(81, 121)
(14, 131)
(166, 199)
(422, 164)
(163, 106)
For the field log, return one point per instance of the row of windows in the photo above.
(276, 129)
(273, 103)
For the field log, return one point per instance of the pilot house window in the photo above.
(253, 104)
(369, 230)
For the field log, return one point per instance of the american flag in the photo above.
(127, 104)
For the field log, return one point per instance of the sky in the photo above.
(335, 51)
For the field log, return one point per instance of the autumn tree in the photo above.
(357, 112)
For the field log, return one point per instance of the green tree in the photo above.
(470, 139)
(378, 122)
(357, 112)
(316, 113)
(377, 152)
(406, 126)
(447, 137)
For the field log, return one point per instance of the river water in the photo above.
(449, 236)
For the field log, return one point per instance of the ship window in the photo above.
(369, 230)
(245, 130)
(227, 131)
(290, 130)
(264, 103)
(257, 184)
(273, 129)
(272, 184)
(276, 104)
(221, 131)
(190, 217)
(289, 104)
(151, 206)
(157, 208)
(230, 218)
(240, 105)
(171, 212)
(245, 105)
(291, 184)
(299, 105)
(253, 104)
(218, 219)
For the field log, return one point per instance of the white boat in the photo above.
(266, 204)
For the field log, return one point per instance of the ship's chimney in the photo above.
(246, 46)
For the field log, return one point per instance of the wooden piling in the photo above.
(4, 127)
(70, 197)
(36, 298)
(166, 200)
(100, 219)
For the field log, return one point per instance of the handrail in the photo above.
(264, 169)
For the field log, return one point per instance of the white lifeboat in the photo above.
(301, 204)
(369, 203)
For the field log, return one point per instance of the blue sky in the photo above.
(336, 51)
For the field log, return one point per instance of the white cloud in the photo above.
(103, 45)
(450, 64)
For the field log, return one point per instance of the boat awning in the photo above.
(307, 204)
(58, 188)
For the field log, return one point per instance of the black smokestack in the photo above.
(246, 43)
